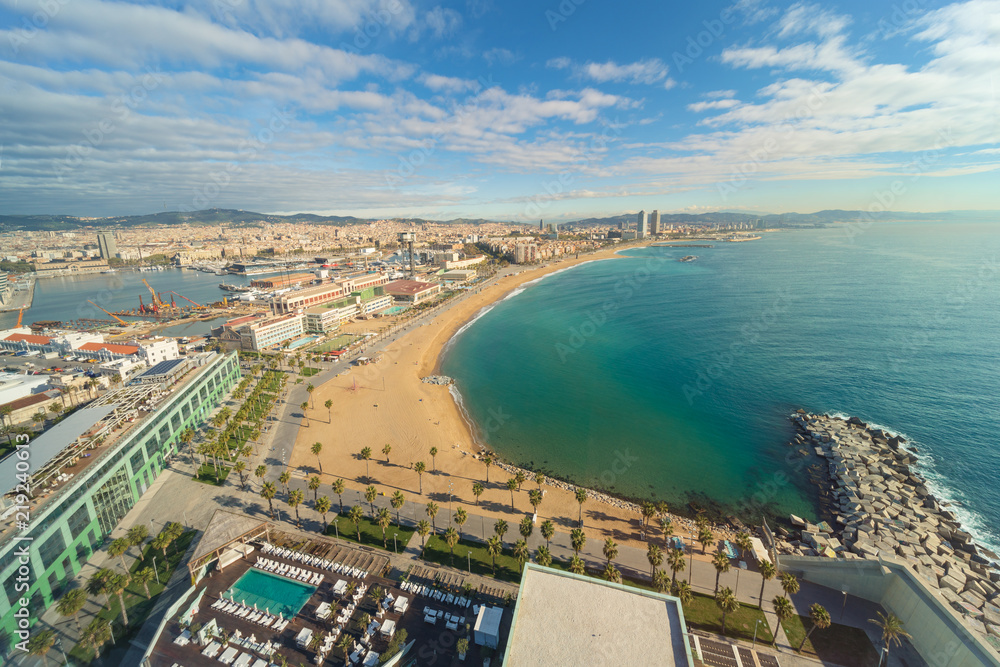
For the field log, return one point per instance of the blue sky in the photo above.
(511, 110)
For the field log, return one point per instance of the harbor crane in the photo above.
(196, 304)
(120, 320)
(157, 304)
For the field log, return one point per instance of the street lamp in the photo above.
(155, 571)
(394, 543)
(336, 528)
(757, 625)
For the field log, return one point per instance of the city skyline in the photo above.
(433, 110)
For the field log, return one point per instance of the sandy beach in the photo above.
(386, 403)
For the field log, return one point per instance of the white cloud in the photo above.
(647, 71)
(448, 84)
(501, 56)
(728, 103)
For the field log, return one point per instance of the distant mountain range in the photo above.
(216, 216)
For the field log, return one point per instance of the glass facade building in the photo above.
(67, 530)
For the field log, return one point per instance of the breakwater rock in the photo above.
(437, 379)
(880, 506)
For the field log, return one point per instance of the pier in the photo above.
(20, 299)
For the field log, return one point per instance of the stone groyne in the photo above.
(880, 506)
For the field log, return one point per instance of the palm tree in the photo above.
(892, 629)
(461, 516)
(423, 529)
(648, 511)
(611, 573)
(727, 602)
(767, 573)
(420, 468)
(721, 564)
(136, 535)
(305, 406)
(500, 528)
(366, 454)
(578, 539)
(323, 506)
(115, 584)
(432, 511)
(355, 516)
(682, 591)
(268, 491)
(782, 609)
(675, 561)
(338, 488)
(543, 556)
(96, 635)
(41, 643)
(789, 583)
(314, 484)
(576, 565)
(521, 553)
(316, 448)
(535, 498)
(705, 537)
(548, 530)
(284, 478)
(240, 468)
(581, 498)
(143, 577)
(661, 581)
(71, 603)
(521, 479)
(370, 494)
(539, 478)
(433, 452)
(820, 618)
(161, 542)
(260, 471)
(495, 547)
(451, 537)
(344, 644)
(294, 500)
(655, 557)
(526, 527)
(477, 490)
(610, 550)
(329, 410)
(117, 549)
(383, 519)
(385, 450)
(487, 461)
(397, 501)
(667, 526)
(743, 543)
(310, 389)
(511, 485)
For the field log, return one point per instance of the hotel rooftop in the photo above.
(568, 619)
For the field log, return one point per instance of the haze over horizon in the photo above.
(473, 109)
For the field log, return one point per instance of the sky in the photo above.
(509, 110)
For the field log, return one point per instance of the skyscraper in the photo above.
(640, 227)
(654, 223)
(106, 244)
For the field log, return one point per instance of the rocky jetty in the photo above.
(881, 507)
(437, 379)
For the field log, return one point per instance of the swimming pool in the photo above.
(394, 310)
(270, 592)
(302, 341)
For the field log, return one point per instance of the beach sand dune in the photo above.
(386, 403)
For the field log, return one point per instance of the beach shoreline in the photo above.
(387, 403)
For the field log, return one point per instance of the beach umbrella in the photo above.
(255, 606)
(280, 616)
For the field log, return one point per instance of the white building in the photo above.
(157, 350)
(273, 331)
(640, 227)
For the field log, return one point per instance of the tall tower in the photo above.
(640, 227)
(654, 223)
(106, 244)
(408, 239)
(541, 225)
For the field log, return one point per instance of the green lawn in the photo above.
(206, 474)
(507, 567)
(137, 606)
(839, 644)
(371, 532)
(702, 612)
(337, 343)
(309, 371)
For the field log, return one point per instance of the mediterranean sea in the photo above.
(653, 378)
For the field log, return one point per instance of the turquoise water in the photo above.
(660, 379)
(271, 592)
(393, 310)
(302, 341)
